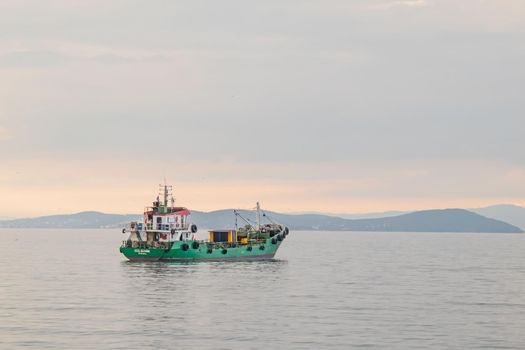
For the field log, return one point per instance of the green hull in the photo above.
(259, 250)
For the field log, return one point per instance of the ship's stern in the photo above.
(142, 253)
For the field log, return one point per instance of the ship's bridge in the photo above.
(171, 218)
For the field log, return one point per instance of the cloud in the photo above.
(400, 3)
(51, 57)
(330, 186)
(357, 83)
(5, 134)
(31, 58)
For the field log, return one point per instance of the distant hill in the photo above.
(385, 214)
(446, 220)
(513, 214)
(86, 219)
(374, 215)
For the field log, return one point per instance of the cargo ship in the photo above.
(166, 233)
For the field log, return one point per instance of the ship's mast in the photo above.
(258, 217)
(164, 190)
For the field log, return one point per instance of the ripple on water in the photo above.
(370, 290)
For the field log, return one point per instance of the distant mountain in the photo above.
(87, 219)
(384, 214)
(373, 215)
(443, 220)
(446, 220)
(510, 213)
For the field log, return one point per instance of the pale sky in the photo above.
(327, 106)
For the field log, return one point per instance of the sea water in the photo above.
(71, 289)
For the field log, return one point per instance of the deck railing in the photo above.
(163, 227)
(145, 244)
(167, 245)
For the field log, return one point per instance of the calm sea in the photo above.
(71, 289)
